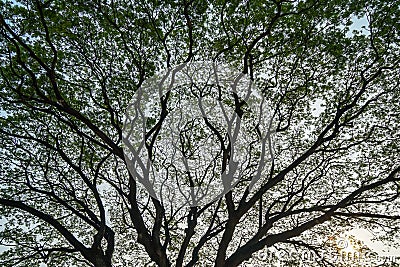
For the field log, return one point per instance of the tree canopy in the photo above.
(69, 71)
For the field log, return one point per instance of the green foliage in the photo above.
(68, 70)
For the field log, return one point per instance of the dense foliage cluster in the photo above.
(329, 70)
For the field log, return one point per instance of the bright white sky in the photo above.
(358, 233)
(377, 246)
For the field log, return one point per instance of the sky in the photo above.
(358, 233)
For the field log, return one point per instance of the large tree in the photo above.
(69, 70)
